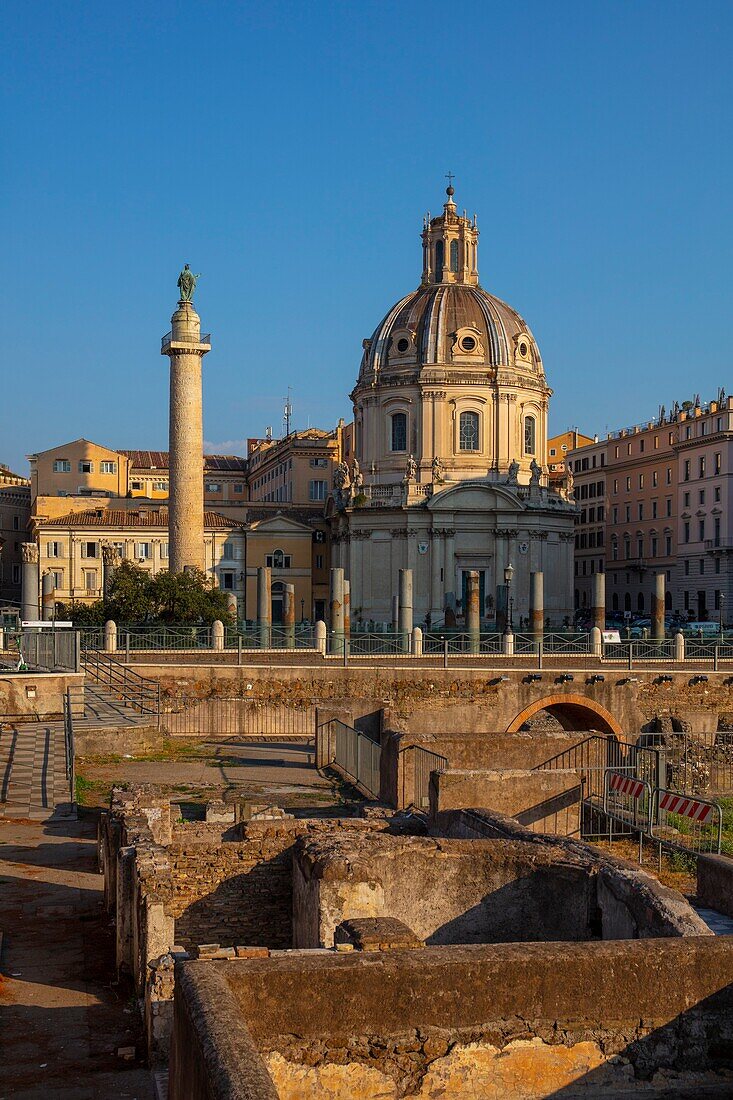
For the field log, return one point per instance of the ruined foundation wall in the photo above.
(495, 1021)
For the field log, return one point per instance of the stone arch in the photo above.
(573, 712)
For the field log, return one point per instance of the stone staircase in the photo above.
(33, 780)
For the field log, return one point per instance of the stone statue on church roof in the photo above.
(535, 472)
(513, 473)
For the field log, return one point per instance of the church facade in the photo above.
(450, 440)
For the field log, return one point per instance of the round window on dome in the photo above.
(468, 343)
(523, 350)
(403, 344)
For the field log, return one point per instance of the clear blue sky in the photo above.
(289, 150)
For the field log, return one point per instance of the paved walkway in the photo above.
(33, 776)
(716, 922)
(63, 1018)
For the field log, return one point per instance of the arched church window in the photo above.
(439, 254)
(640, 601)
(614, 601)
(627, 601)
(468, 431)
(454, 257)
(530, 435)
(399, 432)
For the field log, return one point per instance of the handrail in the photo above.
(134, 690)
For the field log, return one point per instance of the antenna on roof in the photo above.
(268, 433)
(287, 412)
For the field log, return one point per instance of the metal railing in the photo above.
(357, 757)
(185, 338)
(133, 690)
(595, 754)
(424, 762)
(237, 717)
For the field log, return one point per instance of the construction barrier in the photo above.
(696, 825)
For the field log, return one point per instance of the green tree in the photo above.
(137, 598)
(188, 598)
(131, 598)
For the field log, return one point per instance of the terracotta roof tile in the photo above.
(147, 517)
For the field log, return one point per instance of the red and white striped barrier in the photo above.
(624, 784)
(702, 812)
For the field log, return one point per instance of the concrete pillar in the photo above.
(598, 605)
(47, 596)
(110, 562)
(417, 642)
(264, 606)
(537, 605)
(186, 350)
(473, 610)
(596, 642)
(320, 637)
(289, 615)
(658, 607)
(405, 608)
(217, 635)
(347, 608)
(29, 581)
(679, 647)
(395, 613)
(110, 636)
(507, 645)
(337, 610)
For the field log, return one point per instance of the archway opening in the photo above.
(571, 713)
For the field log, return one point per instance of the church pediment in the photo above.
(476, 496)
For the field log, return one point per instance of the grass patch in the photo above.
(93, 792)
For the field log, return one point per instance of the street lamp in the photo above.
(722, 603)
(302, 610)
(508, 574)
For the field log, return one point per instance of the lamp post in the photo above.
(722, 604)
(508, 574)
(302, 609)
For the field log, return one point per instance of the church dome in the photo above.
(450, 322)
(451, 325)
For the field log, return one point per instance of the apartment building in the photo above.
(667, 508)
(642, 511)
(704, 585)
(297, 469)
(15, 508)
(589, 471)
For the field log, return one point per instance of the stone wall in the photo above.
(230, 889)
(715, 883)
(479, 891)
(635, 700)
(545, 801)
(31, 695)
(652, 1017)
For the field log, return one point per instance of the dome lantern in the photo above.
(450, 246)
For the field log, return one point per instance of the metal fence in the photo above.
(693, 825)
(357, 757)
(424, 762)
(49, 650)
(237, 717)
(697, 763)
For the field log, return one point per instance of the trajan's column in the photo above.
(186, 347)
